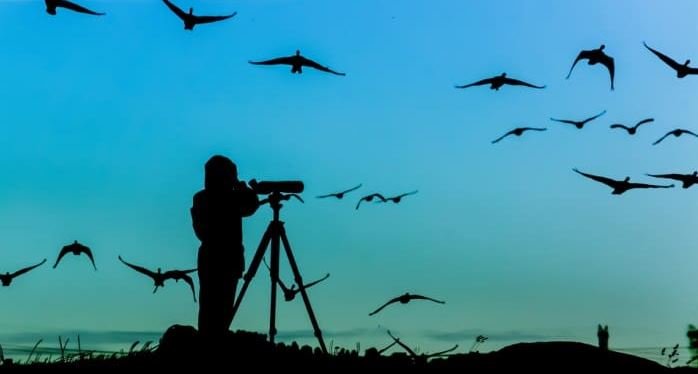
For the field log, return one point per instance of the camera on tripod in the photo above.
(268, 187)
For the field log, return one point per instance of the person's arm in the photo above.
(248, 200)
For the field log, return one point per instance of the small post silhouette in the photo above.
(602, 334)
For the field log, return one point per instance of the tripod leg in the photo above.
(252, 269)
(299, 281)
(274, 269)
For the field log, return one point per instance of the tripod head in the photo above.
(277, 192)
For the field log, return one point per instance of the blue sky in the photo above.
(107, 123)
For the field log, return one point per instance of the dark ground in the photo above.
(179, 348)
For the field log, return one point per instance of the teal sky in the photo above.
(107, 122)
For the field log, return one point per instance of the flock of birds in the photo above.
(78, 249)
(379, 198)
(593, 57)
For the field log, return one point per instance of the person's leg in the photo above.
(230, 302)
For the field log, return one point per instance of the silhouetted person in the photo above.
(217, 213)
(687, 180)
(602, 334)
(190, 20)
(340, 195)
(578, 124)
(77, 249)
(51, 6)
(681, 70)
(619, 187)
(518, 132)
(632, 130)
(159, 277)
(6, 279)
(369, 198)
(676, 133)
(297, 62)
(596, 56)
(498, 81)
(404, 299)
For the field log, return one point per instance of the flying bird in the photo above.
(681, 70)
(340, 195)
(518, 132)
(676, 133)
(398, 198)
(297, 62)
(596, 56)
(291, 292)
(631, 130)
(51, 6)
(159, 277)
(619, 187)
(6, 279)
(76, 249)
(369, 198)
(498, 81)
(687, 180)
(579, 124)
(190, 20)
(404, 299)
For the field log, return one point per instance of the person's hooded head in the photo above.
(220, 173)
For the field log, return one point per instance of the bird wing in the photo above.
(27, 269)
(308, 285)
(328, 195)
(76, 8)
(582, 55)
(403, 345)
(502, 137)
(63, 252)
(360, 201)
(644, 121)
(678, 177)
(288, 60)
(607, 61)
(607, 181)
(190, 282)
(620, 126)
(394, 300)
(179, 12)
(177, 274)
(139, 269)
(420, 297)
(690, 133)
(594, 117)
(88, 253)
(645, 185)
(381, 197)
(407, 194)
(667, 60)
(310, 63)
(278, 280)
(534, 128)
(516, 82)
(352, 189)
(662, 138)
(565, 121)
(441, 353)
(478, 83)
(210, 19)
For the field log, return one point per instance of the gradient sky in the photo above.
(107, 122)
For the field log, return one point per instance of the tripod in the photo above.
(275, 235)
